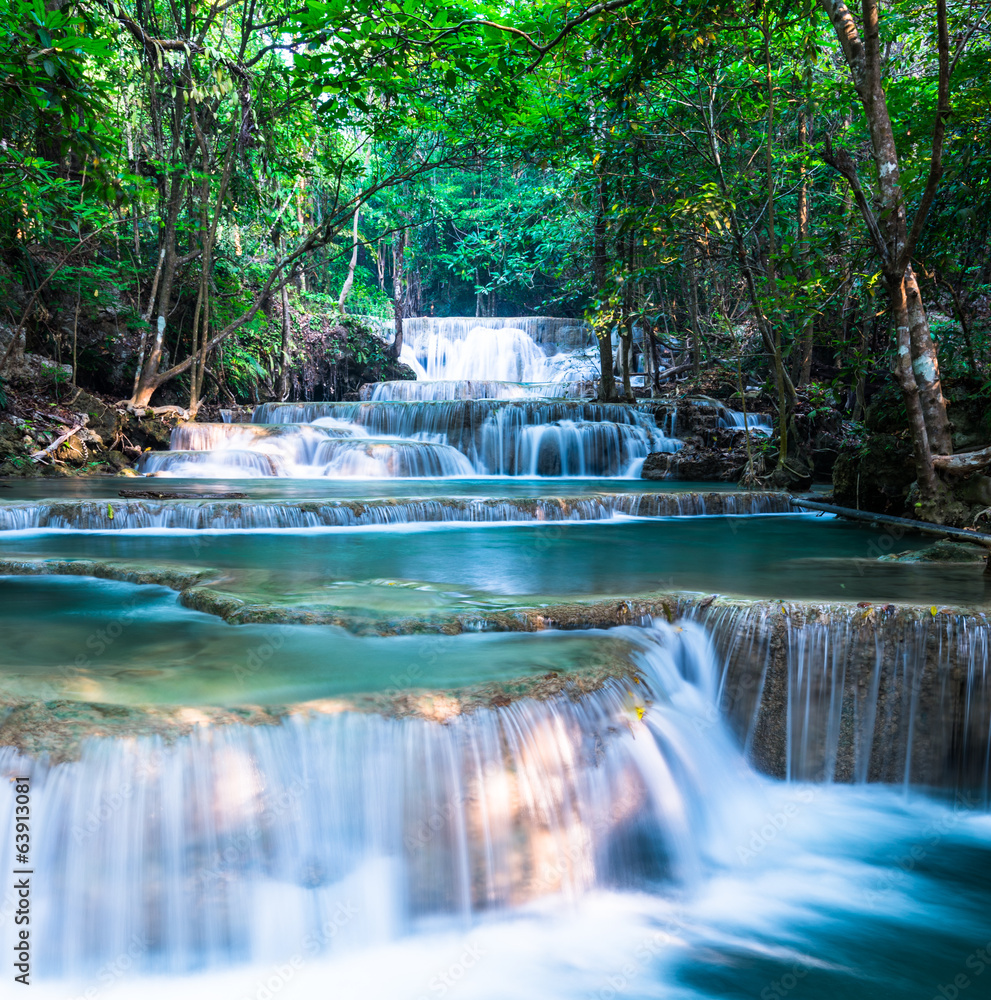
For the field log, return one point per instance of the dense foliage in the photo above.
(775, 190)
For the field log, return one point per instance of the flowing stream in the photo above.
(446, 702)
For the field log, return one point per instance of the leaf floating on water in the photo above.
(934, 611)
(863, 604)
(110, 512)
(641, 711)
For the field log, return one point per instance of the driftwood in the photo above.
(158, 495)
(61, 439)
(674, 371)
(966, 461)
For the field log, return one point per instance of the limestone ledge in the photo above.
(56, 730)
(889, 692)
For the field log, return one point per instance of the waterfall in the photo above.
(444, 437)
(519, 349)
(493, 397)
(448, 416)
(872, 693)
(237, 843)
(233, 463)
(473, 389)
(506, 355)
(114, 515)
(499, 437)
(299, 440)
(760, 422)
(511, 446)
(377, 457)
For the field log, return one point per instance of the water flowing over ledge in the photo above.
(872, 693)
(514, 349)
(193, 843)
(438, 438)
(472, 389)
(230, 514)
(812, 691)
(449, 416)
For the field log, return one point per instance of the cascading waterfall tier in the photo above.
(491, 398)
(377, 458)
(759, 422)
(409, 391)
(234, 463)
(873, 693)
(518, 349)
(92, 515)
(439, 438)
(505, 437)
(237, 842)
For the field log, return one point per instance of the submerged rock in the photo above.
(942, 551)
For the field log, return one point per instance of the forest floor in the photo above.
(50, 427)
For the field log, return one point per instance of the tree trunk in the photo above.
(149, 381)
(607, 379)
(349, 280)
(917, 367)
(693, 312)
(802, 368)
(925, 365)
(283, 386)
(910, 390)
(626, 327)
(398, 299)
(626, 350)
(785, 402)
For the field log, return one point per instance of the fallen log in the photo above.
(677, 370)
(925, 527)
(967, 461)
(61, 439)
(170, 495)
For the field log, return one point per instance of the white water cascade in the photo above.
(759, 423)
(493, 397)
(335, 831)
(533, 349)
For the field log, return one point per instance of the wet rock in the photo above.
(717, 456)
(57, 729)
(943, 551)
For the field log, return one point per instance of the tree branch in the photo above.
(841, 161)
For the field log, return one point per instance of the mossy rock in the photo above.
(875, 476)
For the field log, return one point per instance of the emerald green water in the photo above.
(96, 487)
(422, 568)
(103, 641)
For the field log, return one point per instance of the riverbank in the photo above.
(52, 428)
